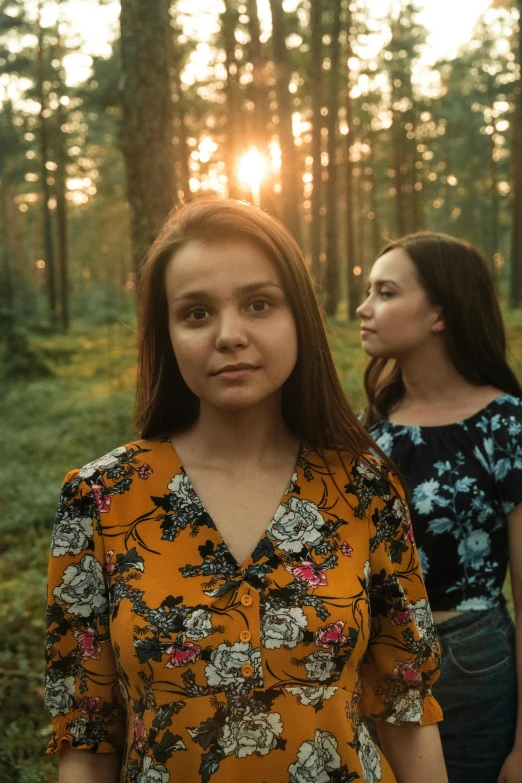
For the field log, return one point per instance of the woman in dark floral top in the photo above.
(231, 593)
(449, 413)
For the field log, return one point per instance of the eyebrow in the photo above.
(384, 282)
(241, 290)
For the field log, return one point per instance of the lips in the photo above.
(366, 329)
(234, 368)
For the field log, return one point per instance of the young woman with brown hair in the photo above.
(232, 592)
(449, 413)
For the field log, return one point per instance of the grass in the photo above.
(51, 426)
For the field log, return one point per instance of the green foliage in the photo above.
(20, 361)
(50, 426)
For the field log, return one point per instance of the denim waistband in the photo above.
(463, 623)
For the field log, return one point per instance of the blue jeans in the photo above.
(477, 691)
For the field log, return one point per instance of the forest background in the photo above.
(332, 114)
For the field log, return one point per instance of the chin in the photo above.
(373, 352)
(237, 401)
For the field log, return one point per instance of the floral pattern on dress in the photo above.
(161, 643)
(463, 478)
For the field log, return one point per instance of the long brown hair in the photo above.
(456, 277)
(314, 405)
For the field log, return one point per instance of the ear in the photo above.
(438, 324)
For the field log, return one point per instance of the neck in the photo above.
(239, 437)
(430, 376)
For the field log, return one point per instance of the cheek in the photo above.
(285, 343)
(189, 347)
(400, 315)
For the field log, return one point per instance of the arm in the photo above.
(413, 752)
(82, 693)
(510, 772)
(82, 766)
(403, 655)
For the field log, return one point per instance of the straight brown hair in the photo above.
(456, 277)
(314, 405)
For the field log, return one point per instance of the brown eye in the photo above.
(259, 305)
(197, 314)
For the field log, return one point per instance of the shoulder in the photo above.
(507, 403)
(119, 461)
(501, 419)
(363, 475)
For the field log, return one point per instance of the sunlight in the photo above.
(252, 171)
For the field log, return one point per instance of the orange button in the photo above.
(246, 600)
(245, 636)
(247, 670)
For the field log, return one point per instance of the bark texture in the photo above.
(147, 128)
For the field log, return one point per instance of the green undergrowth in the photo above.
(50, 425)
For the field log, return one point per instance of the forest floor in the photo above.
(50, 426)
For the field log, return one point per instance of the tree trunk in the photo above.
(290, 181)
(315, 77)
(48, 250)
(516, 251)
(399, 166)
(234, 146)
(332, 277)
(259, 94)
(374, 204)
(352, 279)
(61, 218)
(182, 151)
(495, 208)
(147, 127)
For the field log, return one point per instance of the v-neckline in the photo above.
(288, 491)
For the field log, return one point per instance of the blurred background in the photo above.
(352, 121)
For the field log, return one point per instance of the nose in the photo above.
(231, 333)
(363, 311)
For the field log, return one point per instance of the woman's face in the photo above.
(397, 317)
(230, 325)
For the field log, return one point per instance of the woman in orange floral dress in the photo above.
(232, 593)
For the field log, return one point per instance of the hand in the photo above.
(511, 771)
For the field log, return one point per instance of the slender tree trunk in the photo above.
(495, 208)
(60, 144)
(6, 274)
(332, 276)
(352, 280)
(374, 206)
(182, 150)
(147, 127)
(259, 88)
(315, 77)
(398, 165)
(516, 250)
(44, 157)
(61, 218)
(291, 185)
(259, 94)
(234, 143)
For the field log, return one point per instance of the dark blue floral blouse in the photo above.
(464, 479)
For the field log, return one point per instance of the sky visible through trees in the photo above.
(396, 117)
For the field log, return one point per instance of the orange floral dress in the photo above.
(161, 645)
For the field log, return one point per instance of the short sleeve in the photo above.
(403, 657)
(504, 449)
(82, 694)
